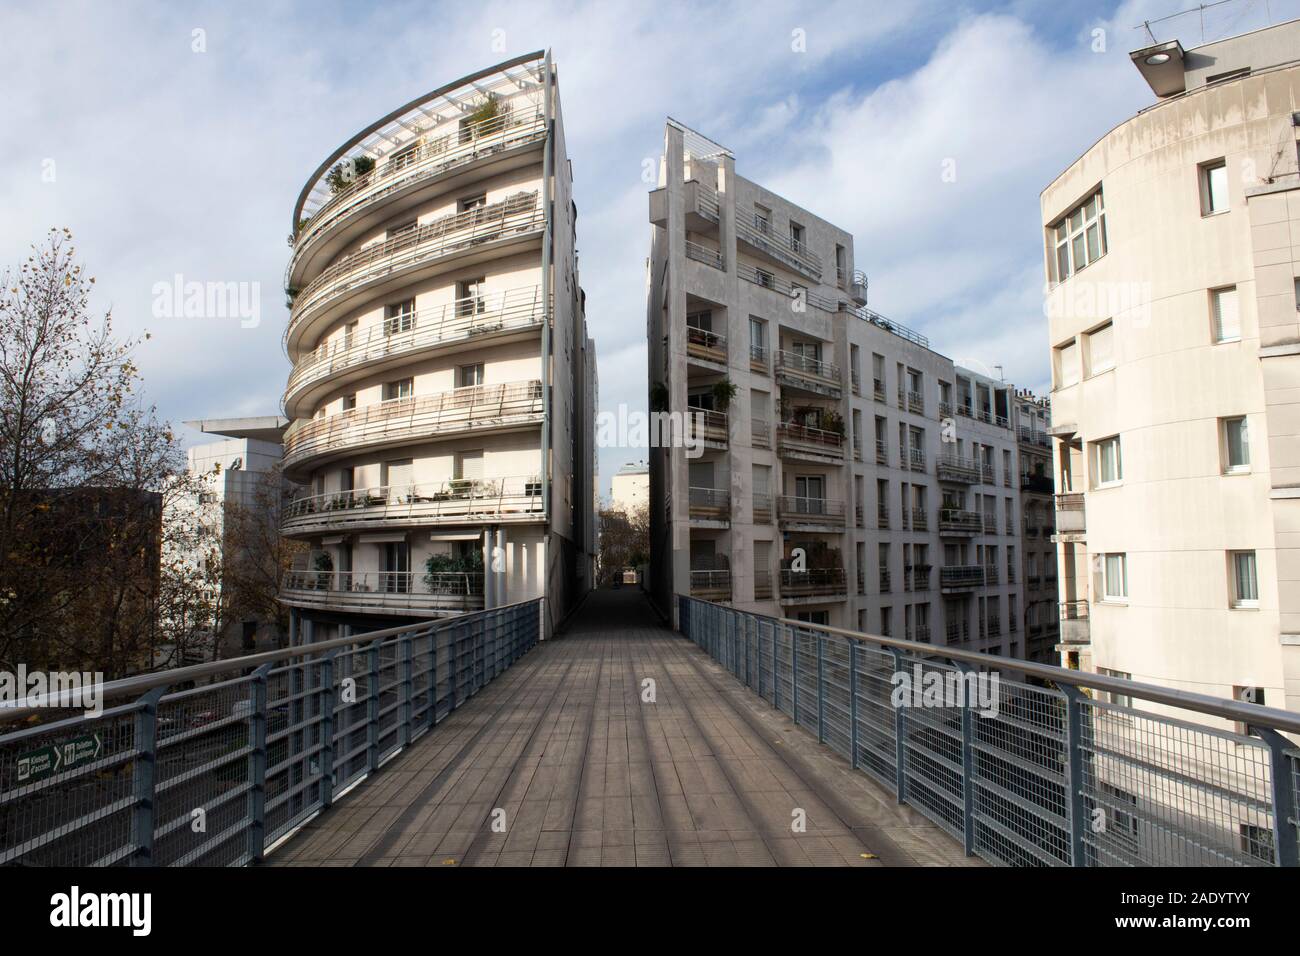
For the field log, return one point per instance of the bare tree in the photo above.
(624, 540)
(257, 556)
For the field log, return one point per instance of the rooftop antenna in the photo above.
(1001, 377)
(1146, 25)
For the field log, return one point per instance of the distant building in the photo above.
(1032, 419)
(629, 489)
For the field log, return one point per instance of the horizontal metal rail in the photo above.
(1033, 765)
(210, 765)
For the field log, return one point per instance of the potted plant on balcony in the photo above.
(438, 565)
(324, 566)
(831, 421)
(723, 392)
(348, 171)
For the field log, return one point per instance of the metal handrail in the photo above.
(454, 497)
(417, 415)
(781, 248)
(710, 257)
(455, 321)
(809, 434)
(794, 506)
(795, 362)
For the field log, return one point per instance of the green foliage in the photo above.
(348, 171)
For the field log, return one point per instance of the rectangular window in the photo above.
(402, 388)
(1214, 187)
(1236, 446)
(399, 317)
(1245, 583)
(762, 218)
(1108, 464)
(1227, 318)
(1067, 364)
(796, 237)
(467, 375)
(1101, 345)
(1116, 577)
(1079, 237)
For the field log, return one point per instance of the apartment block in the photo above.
(1173, 250)
(1032, 420)
(442, 396)
(845, 473)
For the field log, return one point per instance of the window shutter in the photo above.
(1227, 320)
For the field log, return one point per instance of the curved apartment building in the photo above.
(1172, 247)
(442, 390)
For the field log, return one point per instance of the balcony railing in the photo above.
(882, 452)
(758, 358)
(762, 584)
(920, 519)
(917, 577)
(710, 257)
(916, 459)
(962, 576)
(957, 632)
(781, 248)
(878, 390)
(855, 380)
(990, 524)
(432, 158)
(813, 581)
(1074, 625)
(857, 447)
(714, 583)
(709, 425)
(1023, 781)
(457, 321)
(418, 417)
(882, 577)
(710, 503)
(760, 433)
(916, 403)
(516, 215)
(379, 591)
(990, 575)
(958, 521)
(804, 370)
(457, 499)
(706, 344)
(797, 438)
(762, 507)
(797, 510)
(957, 468)
(882, 516)
(768, 280)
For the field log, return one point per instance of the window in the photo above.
(467, 375)
(764, 278)
(1079, 237)
(1258, 842)
(399, 317)
(472, 202)
(1236, 446)
(1101, 345)
(1227, 319)
(796, 237)
(1112, 697)
(469, 297)
(1067, 364)
(1245, 583)
(1121, 823)
(1214, 187)
(403, 229)
(762, 218)
(1247, 695)
(402, 388)
(1115, 577)
(1108, 463)
(349, 401)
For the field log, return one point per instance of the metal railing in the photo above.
(431, 158)
(456, 498)
(813, 581)
(709, 502)
(801, 365)
(961, 576)
(417, 416)
(957, 520)
(811, 510)
(710, 257)
(956, 468)
(706, 343)
(512, 216)
(1065, 771)
(760, 433)
(379, 591)
(714, 583)
(822, 441)
(255, 745)
(456, 321)
(784, 250)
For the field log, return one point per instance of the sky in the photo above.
(173, 139)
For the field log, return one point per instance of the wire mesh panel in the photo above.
(929, 699)
(1021, 811)
(212, 774)
(876, 734)
(837, 730)
(1162, 792)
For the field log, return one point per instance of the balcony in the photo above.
(709, 504)
(882, 516)
(808, 375)
(883, 580)
(961, 577)
(1074, 623)
(916, 577)
(760, 433)
(762, 507)
(860, 516)
(710, 257)
(401, 421)
(916, 403)
(804, 442)
(1039, 484)
(990, 524)
(383, 592)
(709, 426)
(957, 469)
(921, 633)
(712, 585)
(994, 625)
(707, 345)
(410, 337)
(813, 582)
(808, 512)
(455, 501)
(858, 287)
(954, 521)
(915, 459)
(991, 576)
(855, 381)
(957, 632)
(857, 447)
(386, 264)
(945, 409)
(882, 452)
(1071, 517)
(397, 182)
(762, 585)
(782, 250)
(878, 390)
(758, 359)
(920, 520)
(862, 581)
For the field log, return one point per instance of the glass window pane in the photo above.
(1246, 584)
(1101, 349)
(1080, 260)
(1238, 443)
(1094, 243)
(1217, 187)
(1062, 262)
(1227, 319)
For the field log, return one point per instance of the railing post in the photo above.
(1286, 848)
(327, 729)
(967, 766)
(144, 769)
(257, 764)
(794, 674)
(900, 737)
(821, 687)
(1074, 771)
(776, 673)
(372, 707)
(853, 704)
(407, 657)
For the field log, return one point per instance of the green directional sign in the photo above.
(56, 758)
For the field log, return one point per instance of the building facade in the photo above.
(1172, 250)
(629, 489)
(1033, 418)
(841, 471)
(442, 392)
